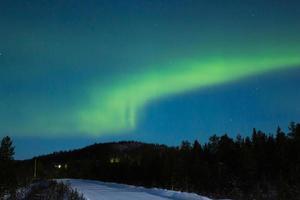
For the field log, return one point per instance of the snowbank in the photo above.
(97, 190)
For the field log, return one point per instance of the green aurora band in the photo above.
(118, 107)
(69, 68)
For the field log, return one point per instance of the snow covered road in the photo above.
(97, 190)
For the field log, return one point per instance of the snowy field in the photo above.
(97, 190)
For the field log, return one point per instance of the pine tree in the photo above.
(8, 181)
(7, 150)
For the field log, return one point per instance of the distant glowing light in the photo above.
(114, 160)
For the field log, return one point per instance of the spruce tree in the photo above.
(8, 181)
(7, 150)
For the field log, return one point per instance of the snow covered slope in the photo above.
(96, 190)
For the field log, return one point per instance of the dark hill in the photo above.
(263, 166)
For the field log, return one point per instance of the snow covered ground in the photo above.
(97, 190)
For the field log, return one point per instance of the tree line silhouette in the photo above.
(260, 166)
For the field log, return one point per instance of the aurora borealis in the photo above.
(108, 69)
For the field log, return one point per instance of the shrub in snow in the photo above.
(51, 190)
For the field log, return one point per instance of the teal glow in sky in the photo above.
(94, 68)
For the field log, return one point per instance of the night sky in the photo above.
(73, 72)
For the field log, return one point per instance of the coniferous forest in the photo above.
(261, 166)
